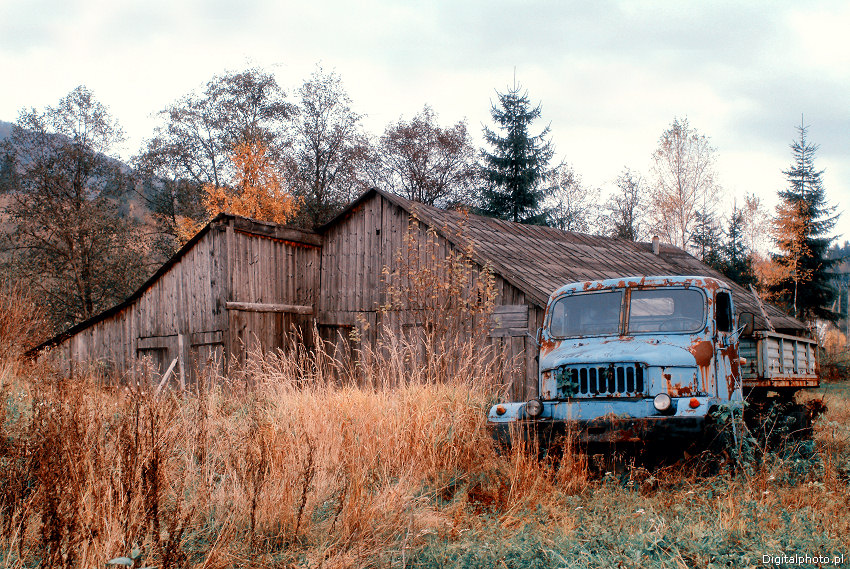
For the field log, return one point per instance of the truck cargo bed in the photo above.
(778, 361)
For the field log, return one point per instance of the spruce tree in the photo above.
(737, 260)
(706, 238)
(515, 170)
(803, 222)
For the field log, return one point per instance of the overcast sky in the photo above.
(611, 76)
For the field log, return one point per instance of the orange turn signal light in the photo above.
(694, 403)
(500, 410)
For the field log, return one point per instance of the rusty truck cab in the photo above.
(631, 359)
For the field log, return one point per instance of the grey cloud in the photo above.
(25, 26)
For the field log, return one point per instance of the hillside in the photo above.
(134, 203)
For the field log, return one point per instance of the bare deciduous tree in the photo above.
(330, 149)
(756, 225)
(684, 183)
(625, 215)
(427, 163)
(193, 147)
(73, 243)
(570, 204)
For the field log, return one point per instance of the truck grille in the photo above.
(624, 380)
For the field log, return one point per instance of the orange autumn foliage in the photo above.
(258, 190)
(186, 227)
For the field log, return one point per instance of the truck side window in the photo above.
(724, 312)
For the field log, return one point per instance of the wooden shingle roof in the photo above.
(538, 260)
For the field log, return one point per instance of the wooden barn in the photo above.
(240, 282)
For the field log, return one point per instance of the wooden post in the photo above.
(227, 280)
(181, 358)
(761, 307)
(165, 376)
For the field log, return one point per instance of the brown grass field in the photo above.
(300, 461)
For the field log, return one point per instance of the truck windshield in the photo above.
(590, 314)
(651, 310)
(666, 310)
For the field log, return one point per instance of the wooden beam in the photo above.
(262, 307)
(203, 338)
(510, 316)
(155, 342)
(509, 333)
(181, 360)
(277, 231)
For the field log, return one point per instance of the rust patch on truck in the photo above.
(703, 353)
(676, 389)
(731, 354)
(547, 345)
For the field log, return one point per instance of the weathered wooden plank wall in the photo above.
(267, 275)
(273, 285)
(184, 300)
(246, 283)
(355, 252)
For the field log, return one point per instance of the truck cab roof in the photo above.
(709, 283)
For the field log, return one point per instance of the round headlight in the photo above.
(534, 408)
(663, 403)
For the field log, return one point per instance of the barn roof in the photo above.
(538, 260)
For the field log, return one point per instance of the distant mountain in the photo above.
(132, 203)
(5, 130)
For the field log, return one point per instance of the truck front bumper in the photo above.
(602, 421)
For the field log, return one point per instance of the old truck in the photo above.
(650, 358)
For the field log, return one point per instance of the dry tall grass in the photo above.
(299, 459)
(22, 325)
(286, 463)
(292, 463)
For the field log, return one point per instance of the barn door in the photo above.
(159, 352)
(510, 336)
(157, 358)
(266, 327)
(206, 354)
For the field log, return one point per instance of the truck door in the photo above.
(726, 349)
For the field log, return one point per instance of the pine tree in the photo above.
(517, 167)
(706, 238)
(801, 230)
(737, 260)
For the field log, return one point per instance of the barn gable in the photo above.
(236, 283)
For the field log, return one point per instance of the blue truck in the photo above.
(650, 358)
